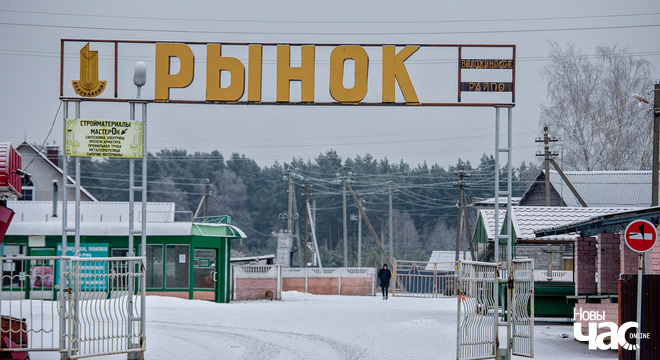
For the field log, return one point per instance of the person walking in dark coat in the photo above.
(384, 275)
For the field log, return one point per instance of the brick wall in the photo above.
(318, 286)
(585, 266)
(323, 285)
(293, 284)
(204, 295)
(356, 286)
(254, 289)
(628, 257)
(611, 312)
(654, 258)
(330, 285)
(176, 294)
(608, 260)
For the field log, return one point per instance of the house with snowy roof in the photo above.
(525, 221)
(623, 188)
(185, 259)
(553, 254)
(45, 177)
(606, 269)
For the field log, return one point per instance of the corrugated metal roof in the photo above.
(605, 188)
(527, 219)
(443, 256)
(109, 219)
(91, 211)
(98, 229)
(600, 223)
(502, 201)
(488, 217)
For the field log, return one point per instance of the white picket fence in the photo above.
(557, 275)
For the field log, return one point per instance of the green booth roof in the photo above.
(217, 230)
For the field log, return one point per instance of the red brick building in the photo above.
(601, 256)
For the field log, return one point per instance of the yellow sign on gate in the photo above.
(104, 138)
(304, 73)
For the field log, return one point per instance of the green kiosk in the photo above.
(189, 260)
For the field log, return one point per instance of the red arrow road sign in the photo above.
(640, 235)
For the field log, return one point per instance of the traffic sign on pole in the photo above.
(640, 235)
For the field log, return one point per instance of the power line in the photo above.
(360, 22)
(297, 32)
(48, 135)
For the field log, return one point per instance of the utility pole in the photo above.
(204, 201)
(359, 249)
(547, 154)
(656, 145)
(292, 205)
(343, 195)
(297, 225)
(306, 223)
(468, 228)
(390, 223)
(656, 141)
(655, 171)
(289, 213)
(207, 193)
(371, 228)
(462, 212)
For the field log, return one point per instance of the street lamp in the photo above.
(656, 142)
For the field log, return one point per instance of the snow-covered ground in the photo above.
(304, 326)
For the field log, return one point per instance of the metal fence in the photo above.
(28, 304)
(80, 307)
(522, 306)
(424, 279)
(649, 347)
(477, 316)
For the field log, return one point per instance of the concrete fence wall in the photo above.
(330, 281)
(255, 282)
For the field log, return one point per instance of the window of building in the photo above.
(154, 266)
(204, 269)
(13, 272)
(119, 268)
(27, 189)
(177, 266)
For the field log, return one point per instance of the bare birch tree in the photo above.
(590, 108)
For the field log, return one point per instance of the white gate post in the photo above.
(306, 270)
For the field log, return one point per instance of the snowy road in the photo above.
(304, 326)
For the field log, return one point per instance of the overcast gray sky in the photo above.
(30, 33)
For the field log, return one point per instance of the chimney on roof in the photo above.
(53, 154)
